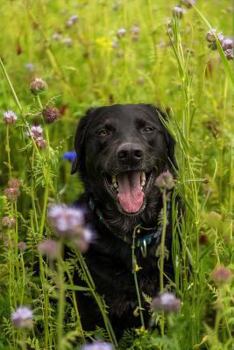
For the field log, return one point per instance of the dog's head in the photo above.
(121, 149)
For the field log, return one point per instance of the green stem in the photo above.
(162, 246)
(8, 150)
(98, 299)
(134, 271)
(11, 86)
(61, 299)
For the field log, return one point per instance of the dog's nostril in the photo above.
(123, 154)
(130, 152)
(138, 154)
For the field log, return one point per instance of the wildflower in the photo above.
(140, 81)
(221, 275)
(135, 32)
(70, 156)
(82, 242)
(12, 193)
(98, 346)
(41, 142)
(121, 32)
(36, 131)
(22, 246)
(212, 34)
(8, 222)
(22, 317)
(67, 41)
(178, 11)
(189, 3)
(72, 20)
(227, 43)
(229, 54)
(115, 44)
(29, 67)
(166, 302)
(15, 183)
(50, 114)
(56, 36)
(38, 85)
(49, 248)
(165, 180)
(9, 117)
(65, 220)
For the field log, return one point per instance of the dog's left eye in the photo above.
(103, 132)
(148, 129)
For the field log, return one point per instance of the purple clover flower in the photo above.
(22, 317)
(98, 346)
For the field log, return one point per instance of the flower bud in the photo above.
(50, 114)
(37, 86)
(221, 275)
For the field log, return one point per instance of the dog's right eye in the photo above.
(102, 132)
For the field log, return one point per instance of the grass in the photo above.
(174, 70)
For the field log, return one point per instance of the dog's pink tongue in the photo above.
(130, 194)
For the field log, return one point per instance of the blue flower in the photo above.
(70, 156)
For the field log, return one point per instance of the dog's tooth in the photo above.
(115, 185)
(143, 178)
(114, 179)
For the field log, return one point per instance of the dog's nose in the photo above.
(130, 152)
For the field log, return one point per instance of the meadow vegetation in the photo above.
(59, 58)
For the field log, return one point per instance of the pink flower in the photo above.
(22, 317)
(9, 117)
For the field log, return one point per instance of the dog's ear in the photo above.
(80, 138)
(172, 163)
(163, 119)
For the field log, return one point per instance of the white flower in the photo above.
(9, 117)
(22, 317)
(36, 131)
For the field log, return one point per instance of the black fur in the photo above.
(109, 256)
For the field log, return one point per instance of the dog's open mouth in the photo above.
(129, 189)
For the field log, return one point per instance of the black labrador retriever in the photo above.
(121, 150)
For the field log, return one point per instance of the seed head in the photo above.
(227, 43)
(22, 246)
(12, 193)
(212, 34)
(72, 20)
(166, 302)
(165, 180)
(14, 183)
(22, 317)
(188, 3)
(37, 86)
(178, 11)
(229, 54)
(8, 222)
(98, 346)
(50, 114)
(221, 275)
(121, 32)
(9, 117)
(49, 248)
